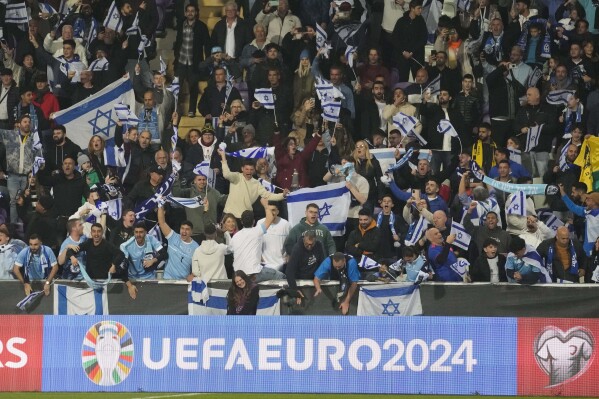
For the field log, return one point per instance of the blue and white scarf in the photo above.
(570, 118)
(573, 269)
(379, 222)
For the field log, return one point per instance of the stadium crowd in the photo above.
(508, 94)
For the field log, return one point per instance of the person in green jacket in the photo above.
(310, 222)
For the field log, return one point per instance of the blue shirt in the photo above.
(71, 272)
(324, 270)
(516, 171)
(520, 266)
(36, 266)
(180, 252)
(444, 271)
(435, 204)
(137, 254)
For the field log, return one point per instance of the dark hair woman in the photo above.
(243, 296)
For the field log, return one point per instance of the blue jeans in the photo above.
(268, 274)
(15, 183)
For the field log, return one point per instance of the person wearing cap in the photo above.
(217, 97)
(232, 32)
(9, 98)
(279, 22)
(205, 150)
(191, 47)
(244, 189)
(253, 52)
(20, 154)
(144, 189)
(26, 106)
(272, 60)
(43, 97)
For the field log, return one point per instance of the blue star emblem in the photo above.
(516, 207)
(102, 123)
(459, 235)
(394, 308)
(324, 211)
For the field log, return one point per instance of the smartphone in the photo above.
(274, 3)
(433, 53)
(416, 193)
(512, 66)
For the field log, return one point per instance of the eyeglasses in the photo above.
(361, 146)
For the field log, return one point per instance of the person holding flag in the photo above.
(217, 96)
(400, 104)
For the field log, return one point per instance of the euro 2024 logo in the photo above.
(564, 356)
(107, 353)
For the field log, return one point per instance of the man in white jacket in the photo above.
(279, 23)
(208, 260)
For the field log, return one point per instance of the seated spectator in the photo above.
(243, 296)
(208, 260)
(490, 266)
(305, 258)
(519, 266)
(343, 268)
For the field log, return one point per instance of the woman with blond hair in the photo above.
(232, 122)
(228, 228)
(304, 114)
(303, 80)
(368, 167)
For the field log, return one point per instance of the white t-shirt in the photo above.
(246, 246)
(272, 247)
(493, 269)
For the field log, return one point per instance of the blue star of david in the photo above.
(516, 206)
(101, 119)
(393, 311)
(459, 235)
(324, 211)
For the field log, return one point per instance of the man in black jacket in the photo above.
(373, 110)
(242, 32)
(9, 98)
(563, 257)
(57, 149)
(191, 47)
(490, 266)
(410, 36)
(305, 258)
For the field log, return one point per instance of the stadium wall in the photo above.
(411, 355)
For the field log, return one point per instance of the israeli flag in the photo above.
(113, 19)
(99, 65)
(445, 127)
(321, 37)
(333, 201)
(368, 263)
(349, 55)
(16, 14)
(252, 152)
(533, 258)
(330, 111)
(390, 300)
(559, 97)
(134, 28)
(265, 97)
(47, 8)
(563, 163)
(174, 138)
(419, 229)
(94, 115)
(385, 156)
(434, 86)
(406, 124)
(462, 238)
(532, 139)
(165, 188)
(461, 267)
(199, 290)
(516, 204)
(38, 162)
(175, 87)
(114, 156)
(268, 185)
(515, 155)
(216, 305)
(535, 76)
(550, 220)
(29, 300)
(162, 66)
(325, 90)
(156, 232)
(80, 301)
(191, 203)
(124, 115)
(114, 208)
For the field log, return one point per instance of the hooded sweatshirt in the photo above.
(322, 234)
(208, 261)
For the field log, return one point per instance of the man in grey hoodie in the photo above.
(310, 222)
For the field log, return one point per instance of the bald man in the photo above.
(536, 144)
(441, 257)
(563, 256)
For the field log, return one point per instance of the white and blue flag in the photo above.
(124, 114)
(516, 204)
(216, 305)
(267, 185)
(390, 300)
(134, 28)
(113, 19)
(175, 87)
(462, 238)
(114, 208)
(80, 301)
(406, 125)
(559, 97)
(445, 127)
(321, 37)
(461, 267)
(330, 111)
(333, 201)
(349, 55)
(114, 156)
(16, 13)
(368, 263)
(532, 139)
(434, 86)
(162, 66)
(26, 302)
(265, 97)
(546, 216)
(252, 152)
(95, 115)
(47, 8)
(156, 232)
(416, 231)
(38, 162)
(325, 90)
(192, 203)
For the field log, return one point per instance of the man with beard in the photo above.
(400, 104)
(372, 115)
(56, 150)
(483, 150)
(450, 78)
(212, 103)
(138, 154)
(35, 262)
